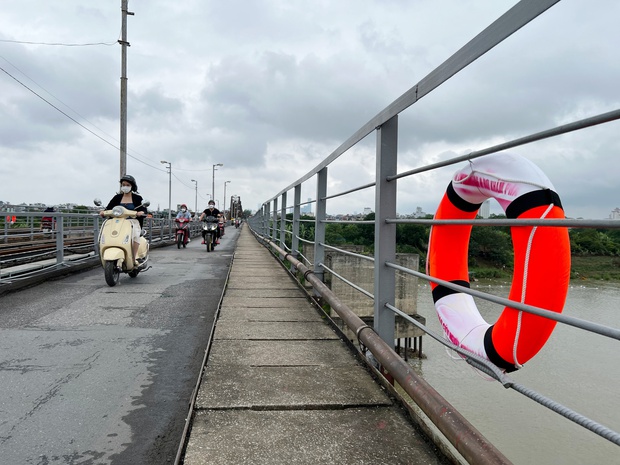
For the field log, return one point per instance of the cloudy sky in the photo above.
(270, 88)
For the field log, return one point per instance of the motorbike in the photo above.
(236, 224)
(115, 245)
(209, 228)
(182, 232)
(221, 226)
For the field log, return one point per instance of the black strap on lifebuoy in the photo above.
(442, 291)
(531, 200)
(492, 354)
(459, 202)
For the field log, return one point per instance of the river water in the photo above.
(576, 368)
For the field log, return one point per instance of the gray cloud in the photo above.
(271, 88)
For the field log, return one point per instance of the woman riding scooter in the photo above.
(184, 216)
(131, 200)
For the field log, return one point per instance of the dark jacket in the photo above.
(208, 212)
(136, 199)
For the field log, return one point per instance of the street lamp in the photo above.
(224, 205)
(169, 188)
(213, 181)
(196, 207)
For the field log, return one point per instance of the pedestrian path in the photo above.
(280, 387)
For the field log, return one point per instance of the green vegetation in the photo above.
(595, 252)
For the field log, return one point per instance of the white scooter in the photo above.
(115, 244)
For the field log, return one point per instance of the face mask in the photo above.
(183, 210)
(211, 207)
(125, 189)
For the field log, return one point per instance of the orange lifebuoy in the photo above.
(541, 259)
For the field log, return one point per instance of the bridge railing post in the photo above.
(283, 224)
(267, 219)
(274, 221)
(319, 223)
(385, 233)
(60, 238)
(96, 234)
(296, 218)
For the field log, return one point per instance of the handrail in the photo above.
(267, 223)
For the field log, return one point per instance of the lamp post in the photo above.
(224, 204)
(196, 205)
(213, 181)
(169, 188)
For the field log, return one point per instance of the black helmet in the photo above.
(130, 179)
(211, 202)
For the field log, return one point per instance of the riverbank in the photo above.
(603, 268)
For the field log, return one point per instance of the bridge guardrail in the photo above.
(283, 234)
(65, 228)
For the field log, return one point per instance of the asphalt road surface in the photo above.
(91, 374)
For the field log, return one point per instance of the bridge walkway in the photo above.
(280, 387)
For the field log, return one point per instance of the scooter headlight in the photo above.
(117, 211)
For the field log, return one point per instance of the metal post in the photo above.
(385, 234)
(265, 218)
(319, 225)
(224, 203)
(124, 45)
(283, 224)
(150, 223)
(60, 250)
(196, 201)
(273, 233)
(169, 196)
(213, 181)
(96, 235)
(296, 217)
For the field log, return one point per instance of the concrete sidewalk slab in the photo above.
(252, 302)
(327, 352)
(254, 330)
(267, 314)
(307, 387)
(261, 293)
(359, 436)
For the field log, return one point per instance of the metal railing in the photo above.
(283, 235)
(64, 234)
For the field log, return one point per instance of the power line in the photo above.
(70, 117)
(58, 43)
(54, 106)
(81, 125)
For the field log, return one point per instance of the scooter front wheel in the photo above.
(111, 272)
(179, 240)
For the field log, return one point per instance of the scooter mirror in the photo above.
(146, 203)
(97, 202)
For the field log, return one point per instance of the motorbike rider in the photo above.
(184, 213)
(211, 211)
(131, 200)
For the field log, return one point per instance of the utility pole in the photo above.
(196, 205)
(169, 189)
(224, 204)
(124, 45)
(213, 181)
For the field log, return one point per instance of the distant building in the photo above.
(307, 208)
(485, 209)
(367, 211)
(419, 213)
(615, 214)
